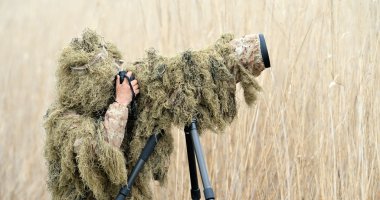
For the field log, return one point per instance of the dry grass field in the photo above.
(313, 134)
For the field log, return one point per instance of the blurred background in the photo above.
(314, 132)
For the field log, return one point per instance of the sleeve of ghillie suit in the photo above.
(101, 163)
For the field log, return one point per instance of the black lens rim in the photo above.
(264, 51)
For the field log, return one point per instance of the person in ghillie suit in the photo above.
(85, 127)
(91, 144)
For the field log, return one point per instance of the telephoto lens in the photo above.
(252, 53)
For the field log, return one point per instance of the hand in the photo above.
(123, 91)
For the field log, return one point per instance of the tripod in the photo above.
(193, 146)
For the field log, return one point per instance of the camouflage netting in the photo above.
(195, 84)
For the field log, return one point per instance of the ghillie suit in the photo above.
(82, 162)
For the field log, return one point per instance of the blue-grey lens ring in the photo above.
(264, 51)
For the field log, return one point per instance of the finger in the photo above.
(129, 74)
(117, 80)
(137, 91)
(134, 82)
(135, 87)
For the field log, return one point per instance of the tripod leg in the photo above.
(195, 192)
(208, 191)
(145, 153)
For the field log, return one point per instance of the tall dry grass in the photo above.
(314, 133)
